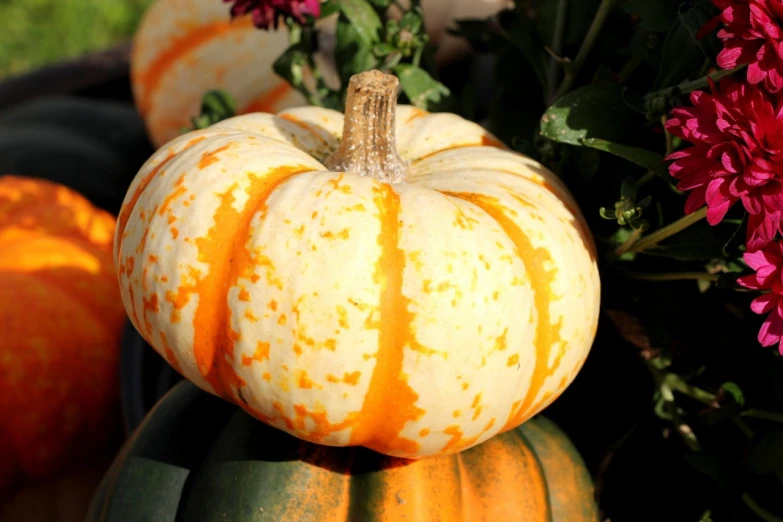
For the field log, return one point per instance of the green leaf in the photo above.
(352, 53)
(592, 111)
(681, 56)
(644, 158)
(328, 8)
(765, 452)
(421, 88)
(654, 16)
(365, 21)
(289, 65)
(733, 390)
(381, 3)
(216, 105)
(412, 21)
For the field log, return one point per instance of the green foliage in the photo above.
(34, 33)
(366, 38)
(216, 106)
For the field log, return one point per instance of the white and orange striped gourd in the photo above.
(184, 48)
(393, 278)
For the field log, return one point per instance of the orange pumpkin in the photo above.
(62, 498)
(416, 304)
(62, 319)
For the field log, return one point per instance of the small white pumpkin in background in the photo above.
(393, 278)
(184, 48)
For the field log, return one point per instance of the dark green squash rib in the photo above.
(249, 473)
(569, 483)
(157, 461)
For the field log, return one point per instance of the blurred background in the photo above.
(34, 33)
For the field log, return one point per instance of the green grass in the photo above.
(34, 33)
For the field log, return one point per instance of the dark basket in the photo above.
(144, 377)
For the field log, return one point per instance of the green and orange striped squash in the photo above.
(199, 459)
(184, 48)
(409, 285)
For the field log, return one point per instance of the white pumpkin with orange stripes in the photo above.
(393, 279)
(184, 48)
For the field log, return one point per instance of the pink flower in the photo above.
(737, 155)
(268, 12)
(768, 264)
(751, 34)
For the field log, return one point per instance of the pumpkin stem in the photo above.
(368, 145)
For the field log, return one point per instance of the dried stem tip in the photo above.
(368, 145)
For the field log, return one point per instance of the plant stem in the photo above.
(557, 45)
(368, 146)
(758, 510)
(622, 249)
(763, 414)
(647, 177)
(668, 276)
(572, 69)
(630, 66)
(694, 85)
(669, 230)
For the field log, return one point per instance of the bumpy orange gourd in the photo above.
(184, 48)
(62, 320)
(415, 304)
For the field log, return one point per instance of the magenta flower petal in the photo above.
(764, 303)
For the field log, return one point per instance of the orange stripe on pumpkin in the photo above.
(547, 334)
(228, 259)
(269, 100)
(390, 402)
(149, 79)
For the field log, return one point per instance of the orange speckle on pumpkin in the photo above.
(332, 378)
(424, 432)
(513, 360)
(153, 258)
(457, 413)
(211, 157)
(465, 385)
(342, 314)
(250, 316)
(282, 319)
(266, 376)
(352, 378)
(272, 305)
(174, 232)
(244, 295)
(304, 381)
